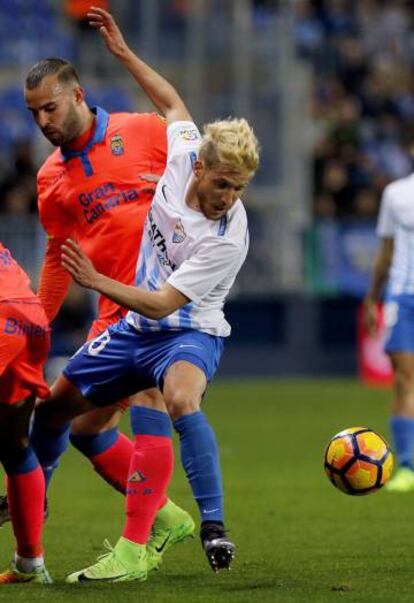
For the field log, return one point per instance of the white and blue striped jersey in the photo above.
(180, 246)
(396, 221)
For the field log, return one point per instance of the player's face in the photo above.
(218, 190)
(56, 109)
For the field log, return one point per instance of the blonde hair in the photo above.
(231, 143)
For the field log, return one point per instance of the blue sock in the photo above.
(96, 443)
(200, 459)
(402, 430)
(149, 421)
(24, 463)
(49, 445)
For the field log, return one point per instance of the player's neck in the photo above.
(86, 134)
(191, 197)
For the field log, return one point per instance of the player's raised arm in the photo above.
(162, 93)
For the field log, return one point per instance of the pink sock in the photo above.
(149, 475)
(26, 494)
(113, 464)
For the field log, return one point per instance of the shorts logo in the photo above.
(179, 233)
(189, 134)
(137, 477)
(117, 145)
(99, 343)
(14, 326)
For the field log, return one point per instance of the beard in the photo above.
(70, 129)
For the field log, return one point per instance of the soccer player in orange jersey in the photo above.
(24, 346)
(91, 188)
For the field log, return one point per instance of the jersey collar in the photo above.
(102, 118)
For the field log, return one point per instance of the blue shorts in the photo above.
(399, 323)
(121, 361)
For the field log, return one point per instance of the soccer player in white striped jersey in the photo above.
(195, 242)
(395, 262)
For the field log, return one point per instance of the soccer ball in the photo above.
(358, 461)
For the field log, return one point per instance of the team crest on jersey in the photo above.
(188, 134)
(117, 145)
(179, 233)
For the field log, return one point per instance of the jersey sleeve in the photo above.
(183, 138)
(206, 269)
(56, 221)
(54, 279)
(157, 137)
(386, 224)
(151, 131)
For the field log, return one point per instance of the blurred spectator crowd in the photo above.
(362, 57)
(362, 54)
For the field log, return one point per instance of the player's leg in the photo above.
(49, 435)
(96, 435)
(149, 474)
(399, 319)
(26, 491)
(130, 366)
(184, 386)
(402, 422)
(50, 430)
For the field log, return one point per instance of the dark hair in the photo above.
(65, 71)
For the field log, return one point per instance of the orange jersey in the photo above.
(14, 282)
(96, 194)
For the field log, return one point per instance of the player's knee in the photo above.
(46, 419)
(151, 398)
(404, 380)
(181, 403)
(95, 421)
(12, 448)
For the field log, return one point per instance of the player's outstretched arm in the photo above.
(162, 93)
(152, 304)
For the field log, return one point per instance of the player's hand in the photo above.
(111, 34)
(370, 316)
(79, 265)
(152, 180)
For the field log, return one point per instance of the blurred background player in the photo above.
(195, 242)
(24, 346)
(90, 188)
(395, 261)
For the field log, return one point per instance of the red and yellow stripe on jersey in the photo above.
(96, 194)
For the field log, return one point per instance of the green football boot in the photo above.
(124, 563)
(171, 526)
(402, 481)
(14, 576)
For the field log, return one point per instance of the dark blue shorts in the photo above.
(121, 361)
(399, 322)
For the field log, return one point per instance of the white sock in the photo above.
(28, 564)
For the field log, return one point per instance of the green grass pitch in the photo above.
(298, 538)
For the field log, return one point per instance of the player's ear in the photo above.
(79, 93)
(198, 168)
